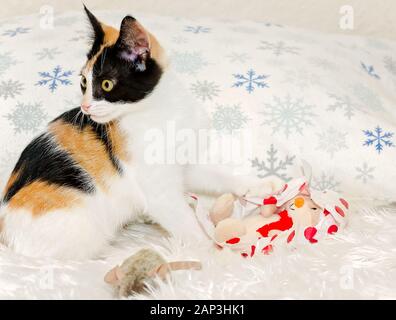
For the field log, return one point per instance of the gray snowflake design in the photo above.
(80, 36)
(27, 117)
(188, 62)
(229, 118)
(273, 166)
(325, 182)
(368, 101)
(10, 89)
(342, 103)
(331, 141)
(288, 115)
(244, 29)
(365, 173)
(390, 65)
(197, 29)
(6, 61)
(47, 53)
(302, 78)
(238, 57)
(278, 48)
(179, 40)
(323, 63)
(205, 90)
(65, 21)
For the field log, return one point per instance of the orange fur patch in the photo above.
(40, 197)
(118, 141)
(110, 37)
(85, 148)
(157, 52)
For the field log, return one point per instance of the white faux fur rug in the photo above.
(359, 264)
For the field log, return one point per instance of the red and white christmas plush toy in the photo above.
(293, 215)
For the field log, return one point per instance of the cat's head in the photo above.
(123, 67)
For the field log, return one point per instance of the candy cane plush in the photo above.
(293, 215)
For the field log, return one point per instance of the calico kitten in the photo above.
(86, 176)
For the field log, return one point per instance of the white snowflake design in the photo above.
(390, 65)
(273, 166)
(251, 80)
(10, 89)
(325, 182)
(229, 118)
(27, 117)
(188, 62)
(6, 61)
(331, 141)
(288, 115)
(47, 53)
(343, 103)
(54, 78)
(205, 90)
(238, 57)
(365, 173)
(278, 48)
(301, 78)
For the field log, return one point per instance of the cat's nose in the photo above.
(85, 107)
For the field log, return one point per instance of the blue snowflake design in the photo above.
(378, 138)
(370, 70)
(14, 32)
(57, 77)
(197, 29)
(251, 80)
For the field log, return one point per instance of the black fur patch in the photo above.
(130, 84)
(41, 161)
(76, 118)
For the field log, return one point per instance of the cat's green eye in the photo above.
(107, 85)
(83, 81)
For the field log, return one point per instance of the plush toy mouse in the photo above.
(294, 214)
(140, 269)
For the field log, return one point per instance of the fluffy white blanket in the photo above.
(359, 263)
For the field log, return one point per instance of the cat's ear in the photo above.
(95, 23)
(97, 31)
(133, 43)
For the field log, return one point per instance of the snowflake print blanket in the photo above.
(329, 99)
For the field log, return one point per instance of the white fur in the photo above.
(157, 190)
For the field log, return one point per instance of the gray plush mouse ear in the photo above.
(114, 275)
